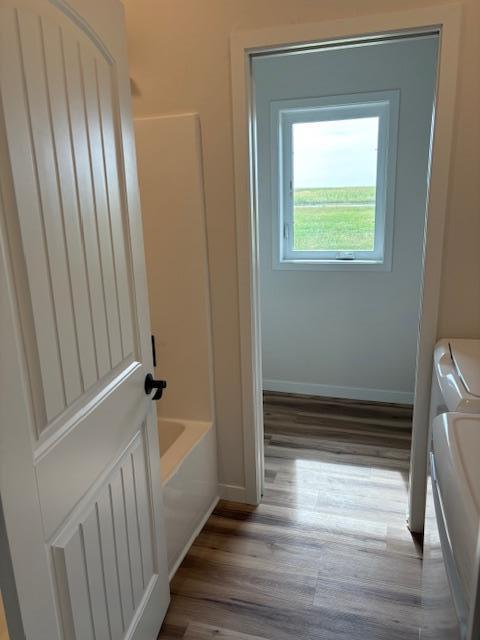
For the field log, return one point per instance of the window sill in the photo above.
(332, 265)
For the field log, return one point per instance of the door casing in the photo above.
(446, 20)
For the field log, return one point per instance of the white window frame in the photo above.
(286, 113)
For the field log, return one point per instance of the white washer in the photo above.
(450, 561)
(453, 493)
(456, 377)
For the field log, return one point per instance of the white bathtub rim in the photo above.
(169, 460)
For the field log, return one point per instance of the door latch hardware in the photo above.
(151, 384)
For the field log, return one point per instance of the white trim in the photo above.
(445, 18)
(191, 540)
(233, 492)
(331, 391)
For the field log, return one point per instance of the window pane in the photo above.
(334, 184)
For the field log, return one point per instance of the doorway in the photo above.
(244, 47)
(342, 147)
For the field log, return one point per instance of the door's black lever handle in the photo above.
(151, 384)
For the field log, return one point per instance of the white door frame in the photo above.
(446, 19)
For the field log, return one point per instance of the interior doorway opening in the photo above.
(342, 153)
(245, 47)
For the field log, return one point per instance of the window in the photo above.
(334, 181)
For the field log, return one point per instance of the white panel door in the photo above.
(79, 473)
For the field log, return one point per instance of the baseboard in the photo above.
(353, 393)
(191, 540)
(233, 492)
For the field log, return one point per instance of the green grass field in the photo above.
(338, 219)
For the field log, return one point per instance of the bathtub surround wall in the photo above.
(179, 61)
(171, 191)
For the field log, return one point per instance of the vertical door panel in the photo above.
(95, 573)
(115, 197)
(31, 45)
(78, 132)
(58, 92)
(121, 545)
(88, 65)
(30, 216)
(110, 564)
(54, 63)
(103, 573)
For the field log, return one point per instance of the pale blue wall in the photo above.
(349, 329)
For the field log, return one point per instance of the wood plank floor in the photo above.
(3, 622)
(327, 553)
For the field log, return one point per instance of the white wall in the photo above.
(348, 333)
(171, 191)
(179, 61)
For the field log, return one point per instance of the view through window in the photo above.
(334, 184)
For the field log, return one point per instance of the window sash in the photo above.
(351, 107)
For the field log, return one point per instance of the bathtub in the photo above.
(188, 463)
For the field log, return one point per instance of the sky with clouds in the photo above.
(335, 153)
